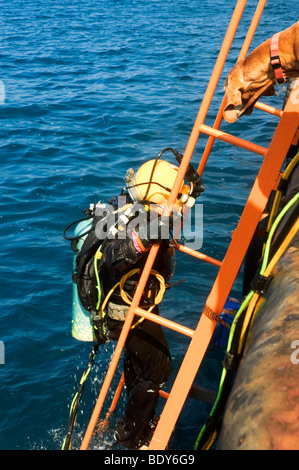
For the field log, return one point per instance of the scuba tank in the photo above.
(82, 326)
(88, 236)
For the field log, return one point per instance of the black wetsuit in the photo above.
(147, 361)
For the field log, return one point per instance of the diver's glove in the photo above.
(154, 232)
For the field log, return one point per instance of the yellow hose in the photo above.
(127, 299)
(252, 307)
(277, 198)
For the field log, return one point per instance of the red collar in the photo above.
(275, 60)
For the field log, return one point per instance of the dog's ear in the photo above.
(270, 91)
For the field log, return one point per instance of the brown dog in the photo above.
(254, 76)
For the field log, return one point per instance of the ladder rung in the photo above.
(231, 139)
(164, 322)
(198, 255)
(268, 109)
(197, 393)
(163, 394)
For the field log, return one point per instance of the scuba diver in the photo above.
(107, 271)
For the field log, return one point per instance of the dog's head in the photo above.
(242, 91)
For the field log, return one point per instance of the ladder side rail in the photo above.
(263, 185)
(207, 98)
(237, 14)
(119, 346)
(244, 50)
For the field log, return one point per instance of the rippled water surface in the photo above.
(91, 89)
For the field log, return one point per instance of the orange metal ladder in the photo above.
(267, 180)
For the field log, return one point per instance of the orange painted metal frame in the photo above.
(266, 180)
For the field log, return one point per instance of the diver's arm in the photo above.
(120, 254)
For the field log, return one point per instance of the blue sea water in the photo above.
(91, 89)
